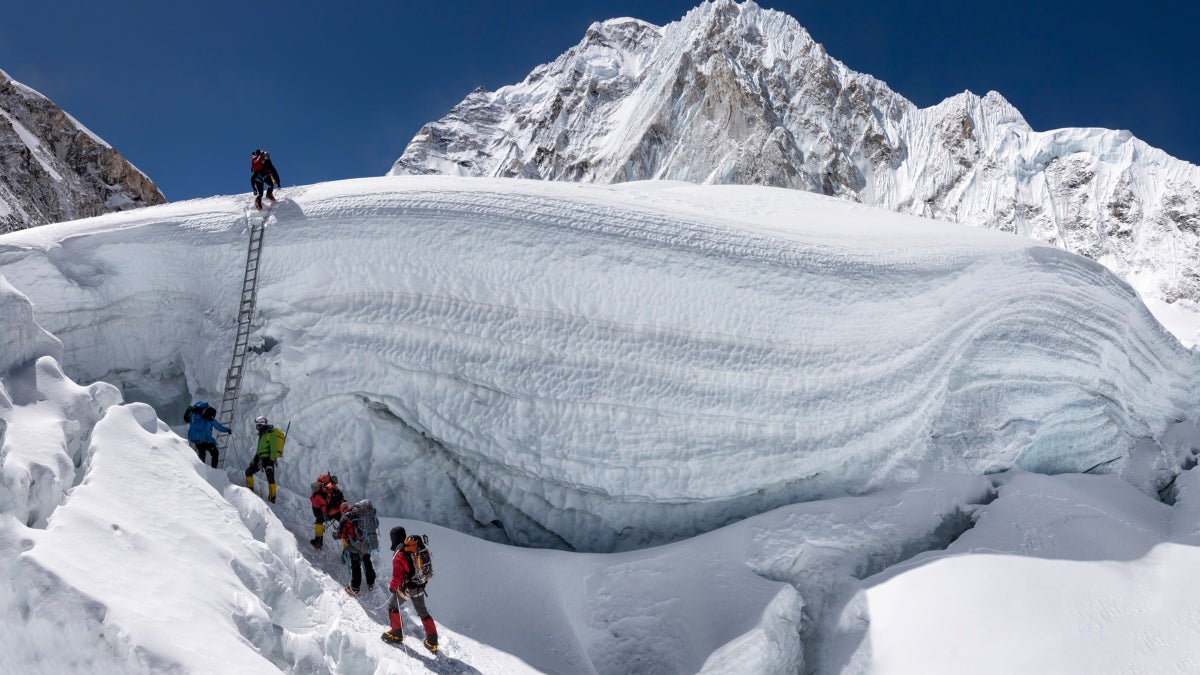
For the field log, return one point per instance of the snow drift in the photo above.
(607, 367)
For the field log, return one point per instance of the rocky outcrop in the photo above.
(53, 169)
(733, 93)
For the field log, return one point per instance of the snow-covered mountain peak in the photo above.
(734, 93)
(625, 33)
(990, 110)
(1000, 110)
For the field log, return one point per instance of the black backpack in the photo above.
(420, 561)
(201, 408)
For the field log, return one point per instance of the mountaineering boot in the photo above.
(258, 203)
(396, 634)
(430, 633)
(317, 543)
(271, 492)
(271, 195)
(250, 482)
(319, 540)
(352, 591)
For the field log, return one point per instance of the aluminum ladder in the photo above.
(241, 343)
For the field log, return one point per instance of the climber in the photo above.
(263, 175)
(411, 570)
(202, 419)
(270, 449)
(326, 500)
(359, 533)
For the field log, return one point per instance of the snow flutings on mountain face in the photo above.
(609, 367)
(53, 169)
(733, 93)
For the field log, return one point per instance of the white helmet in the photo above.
(260, 421)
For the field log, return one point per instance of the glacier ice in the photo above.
(609, 367)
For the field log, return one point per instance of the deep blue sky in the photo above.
(335, 90)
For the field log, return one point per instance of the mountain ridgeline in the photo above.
(733, 93)
(53, 169)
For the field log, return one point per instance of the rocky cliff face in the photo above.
(53, 169)
(733, 93)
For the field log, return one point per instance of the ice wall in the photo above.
(21, 338)
(600, 367)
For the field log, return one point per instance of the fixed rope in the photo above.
(241, 343)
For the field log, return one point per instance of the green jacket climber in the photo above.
(270, 443)
(270, 448)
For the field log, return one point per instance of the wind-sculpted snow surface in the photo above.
(1063, 574)
(601, 367)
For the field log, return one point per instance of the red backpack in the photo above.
(256, 162)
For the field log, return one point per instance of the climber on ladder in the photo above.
(263, 174)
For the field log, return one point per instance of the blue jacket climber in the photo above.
(203, 419)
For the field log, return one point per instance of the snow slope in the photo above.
(602, 368)
(1077, 574)
(121, 553)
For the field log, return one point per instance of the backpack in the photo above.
(256, 162)
(279, 436)
(333, 500)
(420, 561)
(275, 438)
(366, 527)
(198, 408)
